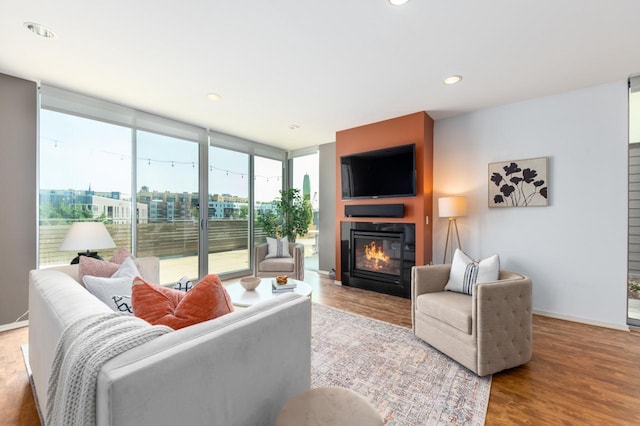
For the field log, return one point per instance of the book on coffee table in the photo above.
(277, 287)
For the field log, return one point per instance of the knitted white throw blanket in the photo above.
(81, 352)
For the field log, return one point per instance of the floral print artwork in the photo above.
(520, 183)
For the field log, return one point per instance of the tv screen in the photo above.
(389, 172)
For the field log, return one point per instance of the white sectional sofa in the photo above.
(238, 369)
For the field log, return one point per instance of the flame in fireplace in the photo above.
(376, 259)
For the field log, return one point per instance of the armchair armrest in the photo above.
(297, 252)
(502, 318)
(260, 252)
(427, 279)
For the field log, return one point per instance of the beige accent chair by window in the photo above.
(292, 266)
(487, 332)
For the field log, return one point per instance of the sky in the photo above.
(78, 153)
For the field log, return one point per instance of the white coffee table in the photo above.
(243, 298)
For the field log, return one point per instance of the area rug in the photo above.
(406, 380)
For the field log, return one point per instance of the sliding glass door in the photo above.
(163, 188)
(84, 175)
(306, 178)
(228, 207)
(267, 184)
(633, 279)
(167, 197)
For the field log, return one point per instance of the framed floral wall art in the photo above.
(518, 183)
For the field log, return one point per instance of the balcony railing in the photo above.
(164, 240)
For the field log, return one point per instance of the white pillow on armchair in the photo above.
(277, 247)
(465, 272)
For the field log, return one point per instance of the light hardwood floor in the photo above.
(579, 374)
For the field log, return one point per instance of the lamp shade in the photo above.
(87, 236)
(452, 206)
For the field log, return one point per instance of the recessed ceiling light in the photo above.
(40, 30)
(214, 97)
(453, 79)
(398, 2)
(293, 127)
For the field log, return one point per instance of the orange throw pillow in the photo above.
(159, 305)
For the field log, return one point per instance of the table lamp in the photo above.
(451, 208)
(87, 236)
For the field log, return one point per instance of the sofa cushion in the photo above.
(118, 284)
(277, 264)
(277, 247)
(448, 307)
(121, 304)
(96, 267)
(466, 272)
(103, 268)
(208, 299)
(183, 284)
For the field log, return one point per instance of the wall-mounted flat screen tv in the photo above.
(388, 172)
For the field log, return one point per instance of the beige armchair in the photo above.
(292, 266)
(486, 332)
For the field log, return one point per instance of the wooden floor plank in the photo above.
(579, 374)
(17, 406)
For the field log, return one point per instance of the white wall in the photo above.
(575, 249)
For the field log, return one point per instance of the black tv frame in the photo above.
(379, 153)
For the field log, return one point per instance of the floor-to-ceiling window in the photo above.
(167, 192)
(267, 184)
(306, 178)
(84, 175)
(633, 281)
(162, 187)
(228, 207)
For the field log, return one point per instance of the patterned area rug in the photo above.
(408, 381)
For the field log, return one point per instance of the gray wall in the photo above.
(18, 141)
(327, 202)
(575, 249)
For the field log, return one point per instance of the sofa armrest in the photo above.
(502, 318)
(239, 369)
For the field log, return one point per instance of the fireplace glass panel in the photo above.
(378, 255)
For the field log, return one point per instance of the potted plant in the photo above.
(291, 216)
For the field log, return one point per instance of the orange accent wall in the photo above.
(413, 128)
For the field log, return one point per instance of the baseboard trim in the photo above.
(582, 320)
(13, 325)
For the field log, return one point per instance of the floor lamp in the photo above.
(451, 208)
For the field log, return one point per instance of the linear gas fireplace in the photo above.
(378, 256)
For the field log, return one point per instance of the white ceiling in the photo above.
(324, 65)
